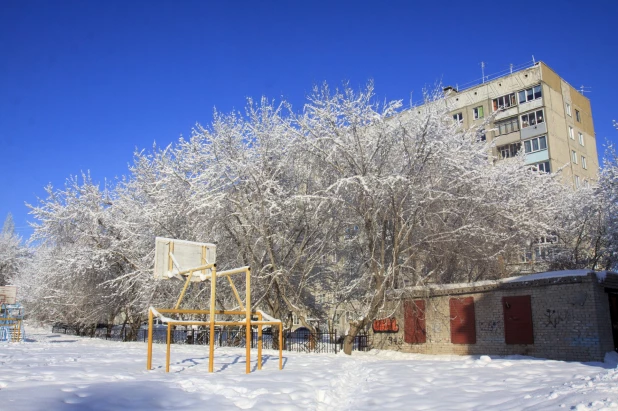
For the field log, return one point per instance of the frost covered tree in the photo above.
(348, 197)
(79, 255)
(263, 216)
(430, 204)
(608, 192)
(13, 254)
(587, 227)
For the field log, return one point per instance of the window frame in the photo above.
(530, 94)
(568, 110)
(536, 118)
(581, 138)
(578, 116)
(478, 112)
(511, 149)
(541, 167)
(458, 117)
(574, 156)
(571, 133)
(511, 122)
(538, 144)
(510, 98)
(584, 164)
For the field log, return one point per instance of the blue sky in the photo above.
(84, 83)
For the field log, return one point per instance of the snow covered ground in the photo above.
(55, 372)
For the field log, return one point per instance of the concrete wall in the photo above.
(558, 93)
(571, 320)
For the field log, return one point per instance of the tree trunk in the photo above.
(348, 341)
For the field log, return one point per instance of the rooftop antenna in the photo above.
(582, 89)
(483, 70)
(511, 67)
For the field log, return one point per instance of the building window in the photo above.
(532, 118)
(573, 156)
(586, 184)
(577, 116)
(584, 165)
(535, 144)
(541, 167)
(568, 109)
(581, 139)
(530, 94)
(509, 150)
(458, 118)
(478, 112)
(507, 126)
(577, 183)
(571, 134)
(504, 102)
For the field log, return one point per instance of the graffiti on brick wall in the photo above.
(555, 317)
(588, 342)
(488, 326)
(395, 341)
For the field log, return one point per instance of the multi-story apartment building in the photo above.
(536, 111)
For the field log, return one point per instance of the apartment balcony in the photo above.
(535, 130)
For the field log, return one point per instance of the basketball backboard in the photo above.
(8, 294)
(173, 256)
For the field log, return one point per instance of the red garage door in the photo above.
(517, 320)
(463, 328)
(414, 319)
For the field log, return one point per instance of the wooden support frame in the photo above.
(212, 313)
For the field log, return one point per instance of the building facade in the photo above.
(569, 316)
(536, 111)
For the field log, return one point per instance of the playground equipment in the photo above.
(11, 315)
(196, 262)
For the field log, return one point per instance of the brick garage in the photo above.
(562, 315)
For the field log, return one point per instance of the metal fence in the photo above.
(302, 341)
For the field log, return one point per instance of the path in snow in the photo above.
(60, 373)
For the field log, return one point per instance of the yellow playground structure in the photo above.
(11, 315)
(195, 262)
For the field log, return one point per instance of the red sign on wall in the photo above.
(385, 325)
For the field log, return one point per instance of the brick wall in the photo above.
(570, 319)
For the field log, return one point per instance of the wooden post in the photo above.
(149, 356)
(184, 289)
(281, 345)
(259, 341)
(211, 339)
(248, 316)
(169, 344)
